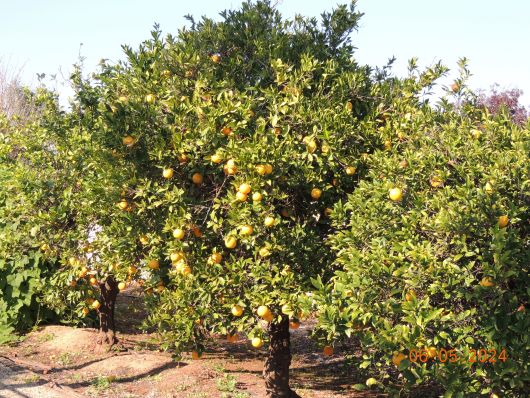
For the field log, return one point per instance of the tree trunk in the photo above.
(276, 370)
(107, 329)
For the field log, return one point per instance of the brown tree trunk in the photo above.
(107, 328)
(276, 370)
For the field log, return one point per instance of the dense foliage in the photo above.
(433, 249)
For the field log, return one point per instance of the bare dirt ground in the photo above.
(64, 357)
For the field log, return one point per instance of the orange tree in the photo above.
(221, 152)
(433, 250)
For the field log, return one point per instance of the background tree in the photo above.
(496, 101)
(432, 249)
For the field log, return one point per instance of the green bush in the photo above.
(441, 267)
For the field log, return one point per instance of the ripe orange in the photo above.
(216, 158)
(216, 258)
(86, 311)
(328, 351)
(436, 182)
(316, 193)
(244, 188)
(503, 221)
(311, 146)
(487, 281)
(398, 357)
(167, 173)
(186, 270)
(84, 272)
(122, 286)
(196, 231)
(257, 342)
(242, 197)
(268, 168)
(179, 233)
(73, 283)
(176, 256)
(195, 355)
(216, 58)
(96, 304)
(269, 221)
(294, 325)
(197, 178)
(237, 310)
(261, 169)
(350, 170)
(247, 230)
(231, 338)
(263, 311)
(153, 264)
(93, 281)
(183, 158)
(128, 140)
(256, 197)
(150, 98)
(410, 295)
(395, 194)
(230, 242)
(132, 269)
(227, 131)
(123, 204)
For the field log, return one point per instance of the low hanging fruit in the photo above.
(257, 342)
(328, 351)
(269, 221)
(153, 264)
(230, 242)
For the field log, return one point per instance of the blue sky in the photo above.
(45, 36)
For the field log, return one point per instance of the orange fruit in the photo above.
(247, 230)
(153, 264)
(487, 281)
(230, 242)
(261, 169)
(256, 197)
(263, 311)
(316, 193)
(269, 221)
(350, 170)
(242, 197)
(176, 256)
(398, 357)
(328, 351)
(244, 188)
(197, 178)
(216, 258)
(237, 310)
(231, 338)
(167, 173)
(410, 295)
(122, 286)
(256, 342)
(216, 58)
(268, 168)
(503, 221)
(294, 325)
(179, 233)
(128, 140)
(123, 204)
(395, 194)
(150, 98)
(86, 311)
(216, 158)
(195, 355)
(96, 304)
